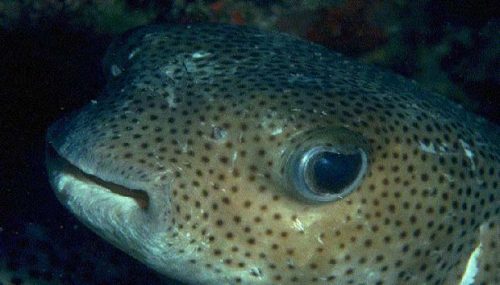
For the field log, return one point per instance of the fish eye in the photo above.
(326, 172)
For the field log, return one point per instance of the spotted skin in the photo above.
(181, 161)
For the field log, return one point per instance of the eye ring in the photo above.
(326, 168)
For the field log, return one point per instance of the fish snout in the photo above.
(83, 174)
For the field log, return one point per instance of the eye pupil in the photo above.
(326, 164)
(331, 173)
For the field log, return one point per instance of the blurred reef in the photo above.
(50, 63)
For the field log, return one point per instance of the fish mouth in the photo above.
(68, 179)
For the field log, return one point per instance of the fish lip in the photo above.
(59, 162)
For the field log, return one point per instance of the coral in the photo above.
(114, 16)
(450, 47)
(107, 16)
(349, 28)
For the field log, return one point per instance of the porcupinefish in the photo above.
(227, 155)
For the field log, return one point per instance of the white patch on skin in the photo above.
(133, 53)
(165, 173)
(277, 131)
(171, 100)
(448, 177)
(427, 148)
(189, 66)
(302, 78)
(468, 152)
(115, 70)
(184, 148)
(442, 149)
(200, 54)
(234, 157)
(297, 224)
(472, 267)
(373, 275)
(168, 70)
(219, 134)
(320, 240)
(255, 271)
(467, 149)
(272, 123)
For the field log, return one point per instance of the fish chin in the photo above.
(123, 216)
(107, 208)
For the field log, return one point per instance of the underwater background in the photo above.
(50, 64)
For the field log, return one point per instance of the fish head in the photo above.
(223, 155)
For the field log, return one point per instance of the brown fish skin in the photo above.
(182, 163)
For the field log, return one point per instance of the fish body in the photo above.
(227, 155)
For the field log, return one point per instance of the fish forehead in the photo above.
(209, 111)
